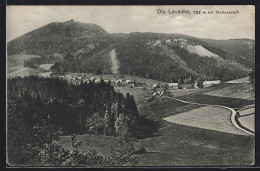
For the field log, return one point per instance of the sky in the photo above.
(126, 19)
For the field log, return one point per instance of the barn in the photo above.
(210, 83)
(173, 86)
(155, 86)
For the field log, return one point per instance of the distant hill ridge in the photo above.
(161, 56)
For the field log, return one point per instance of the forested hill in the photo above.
(165, 57)
(68, 36)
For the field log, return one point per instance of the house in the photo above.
(61, 77)
(155, 93)
(91, 79)
(196, 85)
(210, 83)
(85, 81)
(97, 81)
(159, 93)
(106, 81)
(78, 82)
(168, 42)
(155, 87)
(173, 86)
(129, 82)
(119, 81)
(132, 85)
(187, 86)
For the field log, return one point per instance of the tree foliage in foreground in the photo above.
(42, 109)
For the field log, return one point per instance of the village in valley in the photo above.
(117, 81)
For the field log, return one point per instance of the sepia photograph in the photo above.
(130, 86)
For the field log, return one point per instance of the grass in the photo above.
(19, 58)
(180, 145)
(248, 122)
(215, 100)
(45, 66)
(167, 107)
(14, 68)
(207, 117)
(101, 144)
(24, 72)
(242, 91)
(15, 65)
(139, 94)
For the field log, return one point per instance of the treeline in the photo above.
(137, 58)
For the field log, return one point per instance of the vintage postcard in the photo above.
(98, 86)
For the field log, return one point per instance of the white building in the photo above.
(173, 86)
(210, 83)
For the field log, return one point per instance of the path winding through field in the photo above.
(205, 121)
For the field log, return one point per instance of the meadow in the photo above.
(182, 145)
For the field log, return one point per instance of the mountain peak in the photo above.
(58, 34)
(72, 27)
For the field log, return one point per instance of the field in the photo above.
(160, 109)
(45, 74)
(103, 145)
(247, 111)
(246, 118)
(15, 65)
(139, 94)
(23, 71)
(248, 122)
(215, 100)
(242, 91)
(241, 80)
(179, 145)
(19, 58)
(45, 66)
(207, 117)
(13, 68)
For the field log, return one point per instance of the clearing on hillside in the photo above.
(115, 64)
(201, 51)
